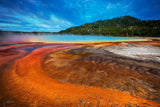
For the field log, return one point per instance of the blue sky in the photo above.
(56, 15)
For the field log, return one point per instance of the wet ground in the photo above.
(68, 74)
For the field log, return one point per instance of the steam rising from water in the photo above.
(13, 37)
(24, 37)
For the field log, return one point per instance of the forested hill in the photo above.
(122, 26)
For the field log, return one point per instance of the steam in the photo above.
(18, 37)
(51, 37)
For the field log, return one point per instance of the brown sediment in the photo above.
(27, 81)
(100, 68)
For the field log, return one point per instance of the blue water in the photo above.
(62, 38)
(80, 38)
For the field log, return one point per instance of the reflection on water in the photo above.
(62, 38)
(9, 44)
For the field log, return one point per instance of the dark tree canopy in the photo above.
(121, 26)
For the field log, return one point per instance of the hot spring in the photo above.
(62, 38)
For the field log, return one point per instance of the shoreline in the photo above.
(138, 39)
(86, 42)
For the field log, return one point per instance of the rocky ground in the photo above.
(128, 68)
(142, 52)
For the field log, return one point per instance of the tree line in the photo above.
(121, 26)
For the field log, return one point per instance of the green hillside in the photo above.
(122, 26)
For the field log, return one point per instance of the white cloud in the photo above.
(32, 22)
(111, 5)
